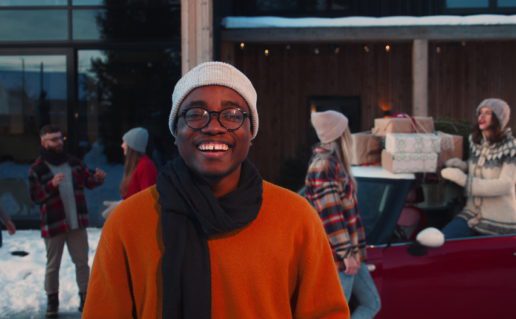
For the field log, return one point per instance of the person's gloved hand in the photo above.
(455, 175)
(110, 205)
(457, 163)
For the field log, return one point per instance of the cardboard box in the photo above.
(451, 146)
(366, 149)
(409, 162)
(417, 124)
(412, 143)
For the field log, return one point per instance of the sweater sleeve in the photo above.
(500, 186)
(319, 294)
(40, 192)
(109, 288)
(89, 177)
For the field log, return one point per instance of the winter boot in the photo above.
(52, 305)
(82, 295)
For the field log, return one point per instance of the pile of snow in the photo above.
(22, 293)
(309, 22)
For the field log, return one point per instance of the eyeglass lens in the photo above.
(198, 118)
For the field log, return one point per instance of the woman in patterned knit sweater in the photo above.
(489, 177)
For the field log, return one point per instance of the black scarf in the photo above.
(53, 157)
(190, 215)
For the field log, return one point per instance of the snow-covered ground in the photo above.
(22, 293)
(311, 22)
(21, 278)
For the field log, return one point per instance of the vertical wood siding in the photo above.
(460, 76)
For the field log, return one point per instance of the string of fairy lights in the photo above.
(337, 49)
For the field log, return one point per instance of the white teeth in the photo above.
(213, 147)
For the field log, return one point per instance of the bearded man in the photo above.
(57, 181)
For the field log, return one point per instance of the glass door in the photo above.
(33, 93)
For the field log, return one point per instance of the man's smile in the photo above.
(213, 147)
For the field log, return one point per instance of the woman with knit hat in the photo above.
(331, 189)
(488, 178)
(139, 170)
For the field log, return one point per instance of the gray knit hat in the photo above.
(329, 125)
(214, 73)
(137, 139)
(499, 107)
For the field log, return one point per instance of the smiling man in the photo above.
(212, 239)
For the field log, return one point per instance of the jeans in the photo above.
(363, 289)
(458, 227)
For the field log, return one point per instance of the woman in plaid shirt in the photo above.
(331, 189)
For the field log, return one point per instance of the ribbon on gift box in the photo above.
(415, 125)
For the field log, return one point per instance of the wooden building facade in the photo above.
(442, 71)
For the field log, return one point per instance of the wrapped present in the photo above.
(451, 146)
(417, 124)
(412, 143)
(409, 162)
(366, 149)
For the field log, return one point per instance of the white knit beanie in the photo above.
(137, 139)
(499, 107)
(329, 125)
(214, 73)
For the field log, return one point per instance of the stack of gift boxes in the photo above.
(405, 145)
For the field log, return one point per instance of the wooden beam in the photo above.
(296, 35)
(196, 33)
(420, 77)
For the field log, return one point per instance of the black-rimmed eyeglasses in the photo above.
(198, 118)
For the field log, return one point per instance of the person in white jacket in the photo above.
(489, 176)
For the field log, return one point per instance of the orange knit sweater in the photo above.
(279, 266)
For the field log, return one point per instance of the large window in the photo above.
(37, 25)
(69, 20)
(33, 92)
(118, 23)
(120, 89)
(481, 6)
(26, 3)
(507, 3)
(467, 3)
(95, 68)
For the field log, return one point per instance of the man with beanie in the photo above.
(57, 181)
(212, 239)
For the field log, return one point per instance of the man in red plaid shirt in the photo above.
(57, 182)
